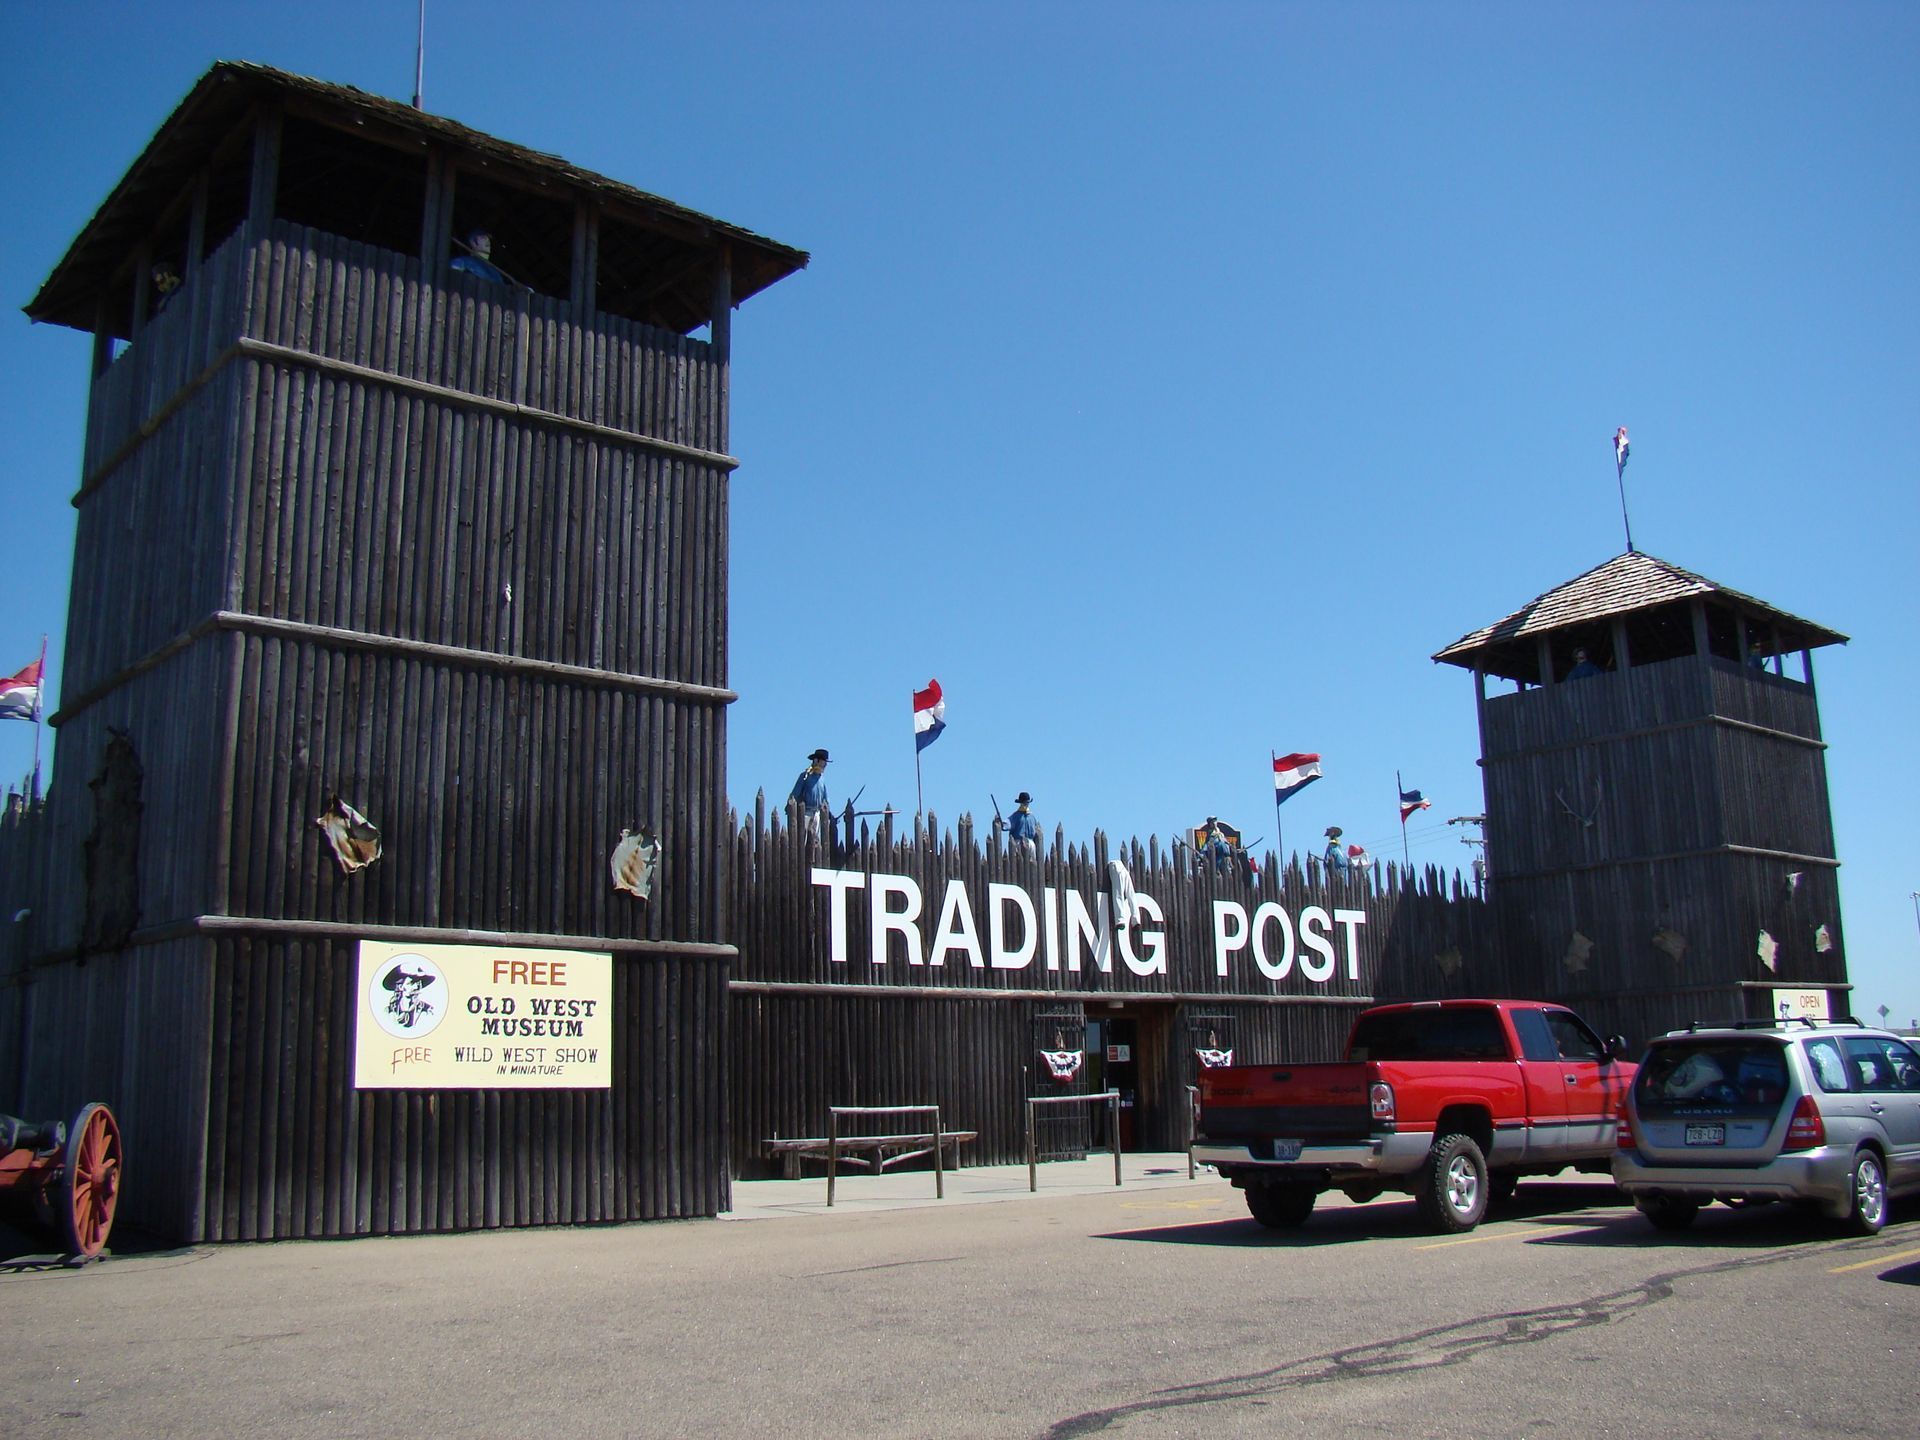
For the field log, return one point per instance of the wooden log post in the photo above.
(263, 180)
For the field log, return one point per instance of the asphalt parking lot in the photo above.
(1155, 1309)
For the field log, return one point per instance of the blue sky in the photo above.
(1171, 381)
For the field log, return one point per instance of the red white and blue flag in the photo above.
(1619, 452)
(1292, 774)
(1410, 801)
(20, 694)
(929, 715)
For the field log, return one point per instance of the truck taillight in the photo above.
(1380, 1096)
(1806, 1130)
(1622, 1129)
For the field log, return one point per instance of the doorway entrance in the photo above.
(1127, 1051)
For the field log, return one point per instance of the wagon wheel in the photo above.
(92, 1189)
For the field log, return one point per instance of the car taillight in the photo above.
(1381, 1098)
(1806, 1131)
(1623, 1130)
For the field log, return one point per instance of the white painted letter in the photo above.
(1050, 908)
(1272, 969)
(1154, 942)
(839, 882)
(1082, 926)
(1313, 936)
(1000, 896)
(906, 922)
(1229, 932)
(956, 930)
(1348, 920)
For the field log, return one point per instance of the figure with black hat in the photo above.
(1336, 858)
(1023, 829)
(408, 986)
(810, 792)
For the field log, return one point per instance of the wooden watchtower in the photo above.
(357, 521)
(1659, 840)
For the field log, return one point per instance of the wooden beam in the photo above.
(142, 289)
(436, 215)
(263, 181)
(583, 290)
(260, 349)
(365, 641)
(723, 305)
(971, 992)
(267, 927)
(197, 226)
(102, 337)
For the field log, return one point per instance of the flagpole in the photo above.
(1620, 479)
(1279, 839)
(1406, 857)
(919, 792)
(39, 710)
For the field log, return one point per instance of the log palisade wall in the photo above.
(809, 1033)
(459, 556)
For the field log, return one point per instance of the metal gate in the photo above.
(1062, 1132)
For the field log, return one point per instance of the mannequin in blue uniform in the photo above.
(810, 792)
(478, 261)
(1023, 829)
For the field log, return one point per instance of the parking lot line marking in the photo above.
(1877, 1260)
(1502, 1235)
(1172, 1204)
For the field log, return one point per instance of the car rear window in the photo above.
(1429, 1035)
(1714, 1072)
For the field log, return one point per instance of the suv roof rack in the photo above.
(1695, 1026)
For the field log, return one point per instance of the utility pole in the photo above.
(1478, 844)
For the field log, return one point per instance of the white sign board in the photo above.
(1800, 1005)
(482, 1017)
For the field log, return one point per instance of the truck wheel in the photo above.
(1452, 1192)
(1869, 1210)
(1664, 1212)
(1280, 1207)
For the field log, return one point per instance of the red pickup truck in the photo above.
(1449, 1100)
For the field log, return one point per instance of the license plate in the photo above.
(1286, 1149)
(1706, 1134)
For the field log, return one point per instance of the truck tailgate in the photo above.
(1304, 1102)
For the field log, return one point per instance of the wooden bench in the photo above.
(874, 1153)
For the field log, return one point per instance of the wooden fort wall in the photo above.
(1681, 804)
(812, 1032)
(458, 556)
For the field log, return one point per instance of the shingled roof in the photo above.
(1626, 583)
(226, 95)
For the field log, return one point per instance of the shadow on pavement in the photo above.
(1343, 1223)
(25, 1246)
(1748, 1227)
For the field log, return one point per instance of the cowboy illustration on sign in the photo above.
(412, 984)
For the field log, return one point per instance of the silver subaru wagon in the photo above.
(1824, 1114)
